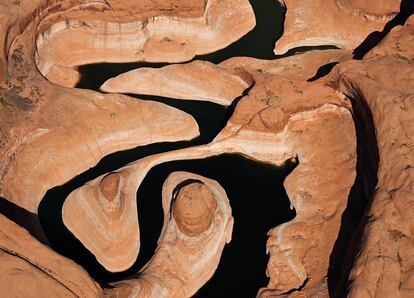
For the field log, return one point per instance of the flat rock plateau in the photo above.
(336, 100)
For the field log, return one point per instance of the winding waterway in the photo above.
(255, 190)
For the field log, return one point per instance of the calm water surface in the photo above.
(255, 190)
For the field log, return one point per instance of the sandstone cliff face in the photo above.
(347, 122)
(42, 271)
(384, 265)
(66, 130)
(297, 111)
(345, 23)
(162, 38)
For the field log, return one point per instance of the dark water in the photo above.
(210, 117)
(255, 189)
(258, 200)
(258, 43)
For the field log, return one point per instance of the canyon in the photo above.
(182, 148)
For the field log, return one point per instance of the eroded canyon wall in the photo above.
(344, 115)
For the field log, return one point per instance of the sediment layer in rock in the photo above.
(49, 134)
(158, 39)
(72, 132)
(399, 42)
(365, 8)
(344, 24)
(42, 271)
(184, 260)
(384, 264)
(278, 120)
(198, 80)
(101, 206)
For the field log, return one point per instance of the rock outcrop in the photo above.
(341, 23)
(278, 120)
(364, 8)
(161, 38)
(42, 271)
(60, 130)
(70, 133)
(189, 247)
(103, 209)
(344, 116)
(199, 80)
(194, 208)
(397, 43)
(384, 265)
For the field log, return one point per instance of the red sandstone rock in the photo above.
(103, 209)
(49, 134)
(384, 265)
(185, 258)
(365, 8)
(73, 132)
(194, 209)
(276, 121)
(161, 38)
(399, 42)
(198, 80)
(341, 23)
(31, 269)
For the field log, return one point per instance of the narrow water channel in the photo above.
(210, 117)
(258, 43)
(258, 201)
(257, 197)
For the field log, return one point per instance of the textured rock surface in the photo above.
(347, 122)
(31, 269)
(303, 66)
(103, 209)
(194, 209)
(399, 42)
(184, 261)
(69, 134)
(48, 129)
(341, 23)
(288, 114)
(278, 120)
(198, 80)
(161, 38)
(365, 8)
(384, 266)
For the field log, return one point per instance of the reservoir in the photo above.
(255, 190)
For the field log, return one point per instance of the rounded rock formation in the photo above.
(190, 245)
(194, 208)
(103, 207)
(109, 192)
(345, 23)
(349, 126)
